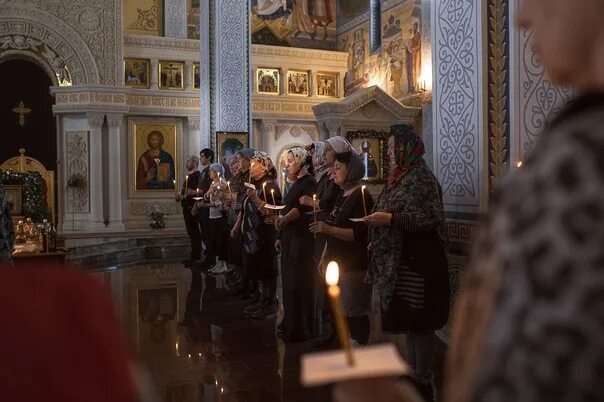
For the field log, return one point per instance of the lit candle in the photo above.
(229, 187)
(264, 190)
(249, 175)
(177, 350)
(364, 204)
(273, 195)
(331, 278)
(186, 182)
(519, 165)
(314, 206)
(197, 191)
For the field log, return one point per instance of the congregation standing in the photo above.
(259, 237)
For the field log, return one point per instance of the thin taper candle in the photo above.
(364, 204)
(314, 206)
(273, 195)
(264, 191)
(331, 278)
(229, 187)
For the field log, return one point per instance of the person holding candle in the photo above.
(206, 158)
(296, 246)
(408, 252)
(233, 255)
(259, 256)
(185, 197)
(327, 193)
(214, 200)
(347, 244)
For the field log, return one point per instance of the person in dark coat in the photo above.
(185, 197)
(296, 245)
(408, 252)
(347, 243)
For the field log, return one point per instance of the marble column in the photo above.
(154, 74)
(193, 145)
(188, 76)
(175, 18)
(95, 219)
(231, 29)
(114, 173)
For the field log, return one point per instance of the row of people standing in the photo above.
(395, 245)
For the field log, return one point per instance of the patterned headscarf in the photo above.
(409, 151)
(266, 162)
(218, 168)
(412, 189)
(246, 153)
(302, 156)
(339, 144)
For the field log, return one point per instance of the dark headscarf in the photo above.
(356, 169)
(412, 189)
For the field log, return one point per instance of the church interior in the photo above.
(107, 114)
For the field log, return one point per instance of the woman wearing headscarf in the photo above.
(238, 281)
(408, 248)
(296, 246)
(347, 243)
(259, 256)
(327, 193)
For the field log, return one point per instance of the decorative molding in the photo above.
(50, 39)
(298, 53)
(163, 43)
(142, 208)
(360, 99)
(462, 231)
(193, 123)
(232, 74)
(293, 130)
(96, 122)
(115, 120)
(78, 160)
(457, 50)
(175, 18)
(498, 91)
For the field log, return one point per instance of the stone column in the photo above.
(283, 82)
(231, 28)
(114, 173)
(154, 74)
(95, 220)
(193, 146)
(175, 18)
(188, 78)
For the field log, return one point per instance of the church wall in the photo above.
(143, 17)
(300, 23)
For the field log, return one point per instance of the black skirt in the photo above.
(420, 303)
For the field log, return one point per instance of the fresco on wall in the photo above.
(143, 17)
(299, 23)
(349, 9)
(397, 67)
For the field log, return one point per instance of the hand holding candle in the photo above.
(273, 195)
(264, 191)
(363, 194)
(331, 278)
(229, 187)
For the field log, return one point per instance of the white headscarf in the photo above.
(302, 156)
(340, 144)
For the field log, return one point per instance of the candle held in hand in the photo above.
(314, 206)
(331, 278)
(264, 190)
(229, 187)
(363, 194)
(273, 195)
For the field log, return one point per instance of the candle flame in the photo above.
(333, 273)
(272, 190)
(363, 188)
(519, 164)
(314, 197)
(189, 355)
(187, 176)
(264, 184)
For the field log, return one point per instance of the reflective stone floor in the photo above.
(196, 343)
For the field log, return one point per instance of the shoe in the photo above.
(267, 311)
(218, 269)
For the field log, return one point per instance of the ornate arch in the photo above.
(43, 38)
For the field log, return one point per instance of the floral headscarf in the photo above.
(266, 162)
(302, 156)
(339, 144)
(412, 189)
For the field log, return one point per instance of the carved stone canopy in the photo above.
(366, 108)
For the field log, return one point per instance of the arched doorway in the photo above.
(26, 119)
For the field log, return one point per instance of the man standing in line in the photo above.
(185, 196)
(206, 158)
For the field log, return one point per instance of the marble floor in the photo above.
(196, 343)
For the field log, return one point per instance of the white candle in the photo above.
(331, 278)
(363, 194)
(264, 190)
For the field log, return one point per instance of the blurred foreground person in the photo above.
(529, 324)
(60, 339)
(7, 231)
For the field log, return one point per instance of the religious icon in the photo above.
(229, 143)
(13, 196)
(297, 83)
(171, 75)
(136, 73)
(370, 147)
(327, 84)
(155, 148)
(196, 76)
(267, 81)
(157, 310)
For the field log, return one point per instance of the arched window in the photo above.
(375, 25)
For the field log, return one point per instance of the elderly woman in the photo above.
(259, 256)
(347, 243)
(409, 262)
(296, 246)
